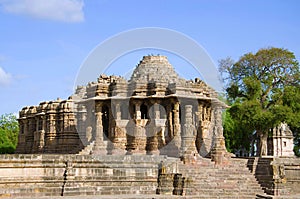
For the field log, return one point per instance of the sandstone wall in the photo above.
(56, 175)
(286, 176)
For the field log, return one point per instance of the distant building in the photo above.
(281, 144)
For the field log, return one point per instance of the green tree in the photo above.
(256, 86)
(236, 135)
(291, 98)
(9, 130)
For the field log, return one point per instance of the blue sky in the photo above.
(44, 43)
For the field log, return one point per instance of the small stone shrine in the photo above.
(281, 144)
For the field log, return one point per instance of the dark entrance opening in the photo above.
(105, 121)
(144, 112)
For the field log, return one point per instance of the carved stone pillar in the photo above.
(200, 111)
(30, 135)
(66, 125)
(219, 153)
(37, 127)
(117, 111)
(118, 136)
(173, 140)
(52, 125)
(209, 112)
(140, 139)
(152, 141)
(137, 143)
(177, 126)
(99, 126)
(130, 138)
(25, 124)
(99, 147)
(44, 124)
(153, 130)
(41, 143)
(27, 136)
(156, 111)
(138, 110)
(89, 128)
(36, 134)
(169, 134)
(22, 135)
(188, 147)
(81, 124)
(204, 112)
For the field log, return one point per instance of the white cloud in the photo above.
(5, 78)
(58, 10)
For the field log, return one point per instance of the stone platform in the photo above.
(57, 175)
(143, 176)
(158, 197)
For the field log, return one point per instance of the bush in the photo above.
(9, 130)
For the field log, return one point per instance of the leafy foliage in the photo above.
(235, 137)
(261, 88)
(291, 98)
(9, 130)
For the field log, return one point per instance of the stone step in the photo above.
(152, 196)
(87, 149)
(31, 191)
(231, 181)
(111, 189)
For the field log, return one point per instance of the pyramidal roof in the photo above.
(155, 69)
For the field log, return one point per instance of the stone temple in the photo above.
(155, 112)
(155, 135)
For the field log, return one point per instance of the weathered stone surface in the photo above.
(145, 115)
(55, 175)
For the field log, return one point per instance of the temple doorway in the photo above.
(105, 121)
